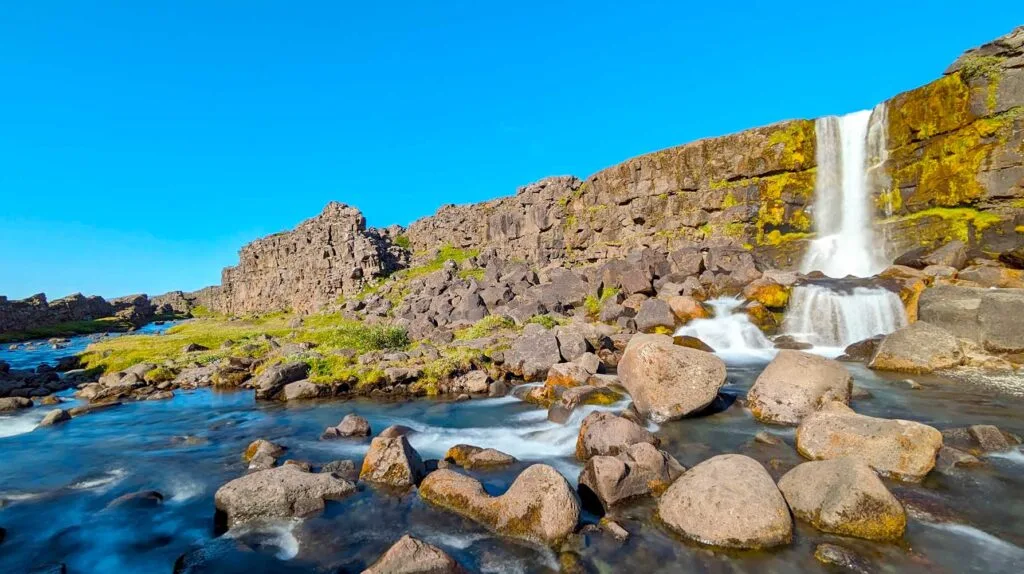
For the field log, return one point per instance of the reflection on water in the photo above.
(56, 484)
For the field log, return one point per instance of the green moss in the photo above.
(404, 242)
(485, 327)
(445, 253)
(451, 363)
(474, 273)
(547, 321)
(332, 331)
(159, 375)
(774, 237)
(796, 142)
(961, 222)
(592, 304)
(68, 329)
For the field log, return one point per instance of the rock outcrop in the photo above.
(538, 507)
(900, 449)
(728, 501)
(988, 317)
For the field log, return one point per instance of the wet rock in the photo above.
(395, 431)
(605, 434)
(566, 375)
(835, 555)
(539, 506)
(92, 408)
(281, 492)
(844, 496)
(796, 384)
(344, 468)
(55, 417)
(692, 343)
(1013, 258)
(861, 351)
(790, 342)
(271, 382)
(472, 457)
(392, 462)
(639, 470)
(979, 439)
(139, 500)
(302, 390)
(589, 395)
(533, 353)
(767, 438)
(918, 348)
(767, 292)
(655, 315)
(666, 381)
(352, 425)
(413, 556)
(950, 458)
(262, 454)
(473, 382)
(900, 449)
(49, 569)
(11, 404)
(727, 501)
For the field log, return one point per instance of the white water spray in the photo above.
(827, 318)
(729, 332)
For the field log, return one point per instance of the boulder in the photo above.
(1013, 258)
(904, 450)
(686, 308)
(282, 492)
(392, 462)
(567, 375)
(979, 439)
(395, 431)
(533, 353)
(302, 390)
(918, 348)
(11, 404)
(666, 381)
(987, 317)
(413, 556)
(344, 468)
(768, 293)
(843, 558)
(540, 506)
(844, 496)
(262, 454)
(271, 381)
(639, 470)
(352, 425)
(571, 343)
(606, 434)
(471, 457)
(54, 417)
(473, 382)
(655, 315)
(796, 384)
(727, 501)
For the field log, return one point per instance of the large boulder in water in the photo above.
(904, 450)
(533, 353)
(606, 434)
(11, 404)
(413, 556)
(918, 348)
(392, 462)
(666, 381)
(538, 507)
(352, 425)
(728, 501)
(470, 457)
(272, 381)
(844, 496)
(989, 317)
(638, 471)
(795, 384)
(281, 492)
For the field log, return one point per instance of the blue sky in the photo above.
(143, 143)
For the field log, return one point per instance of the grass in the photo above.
(485, 327)
(105, 325)
(592, 304)
(547, 321)
(403, 242)
(331, 331)
(445, 253)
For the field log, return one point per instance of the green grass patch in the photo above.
(69, 329)
(592, 304)
(475, 273)
(404, 242)
(547, 321)
(332, 331)
(485, 327)
(445, 253)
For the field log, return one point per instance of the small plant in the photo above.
(404, 242)
(485, 327)
(546, 321)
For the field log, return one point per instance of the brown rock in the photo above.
(796, 384)
(280, 492)
(352, 425)
(918, 348)
(539, 506)
(639, 470)
(844, 496)
(899, 449)
(666, 381)
(470, 457)
(727, 501)
(412, 556)
(686, 308)
(392, 462)
(605, 434)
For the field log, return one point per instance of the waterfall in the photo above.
(842, 215)
(827, 318)
(850, 151)
(729, 332)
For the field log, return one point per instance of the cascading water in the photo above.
(729, 332)
(850, 149)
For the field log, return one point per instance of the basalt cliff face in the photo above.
(953, 169)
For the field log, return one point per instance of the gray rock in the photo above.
(271, 381)
(11, 404)
(533, 353)
(796, 384)
(344, 468)
(413, 556)
(918, 348)
(54, 417)
(352, 425)
(639, 470)
(281, 492)
(392, 462)
(605, 434)
(571, 343)
(302, 390)
(654, 314)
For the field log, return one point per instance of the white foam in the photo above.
(278, 534)
(103, 481)
(1014, 455)
(991, 544)
(182, 489)
(730, 333)
(832, 319)
(459, 541)
(19, 424)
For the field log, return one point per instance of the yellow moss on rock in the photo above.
(941, 106)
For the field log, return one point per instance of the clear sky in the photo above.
(143, 143)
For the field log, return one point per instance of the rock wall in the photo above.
(954, 169)
(36, 311)
(324, 258)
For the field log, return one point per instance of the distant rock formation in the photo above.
(35, 311)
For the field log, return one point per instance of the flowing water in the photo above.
(730, 333)
(850, 149)
(56, 483)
